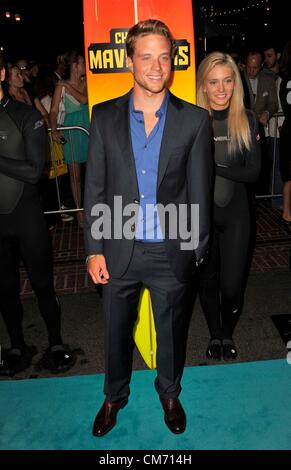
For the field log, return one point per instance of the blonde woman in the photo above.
(237, 162)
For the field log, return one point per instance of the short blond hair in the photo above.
(144, 28)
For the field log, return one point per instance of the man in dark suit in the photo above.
(260, 96)
(261, 93)
(148, 150)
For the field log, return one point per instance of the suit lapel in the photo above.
(122, 131)
(171, 132)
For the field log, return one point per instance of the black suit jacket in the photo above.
(184, 177)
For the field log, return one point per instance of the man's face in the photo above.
(2, 78)
(151, 63)
(254, 63)
(2, 74)
(271, 58)
(15, 78)
(81, 66)
(24, 69)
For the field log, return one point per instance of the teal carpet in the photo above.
(244, 406)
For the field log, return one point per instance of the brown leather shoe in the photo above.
(175, 417)
(106, 417)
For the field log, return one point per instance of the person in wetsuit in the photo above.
(24, 234)
(237, 162)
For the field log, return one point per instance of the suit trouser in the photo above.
(150, 267)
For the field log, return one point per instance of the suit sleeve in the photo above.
(95, 192)
(200, 167)
(30, 169)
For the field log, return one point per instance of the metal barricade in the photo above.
(274, 163)
(66, 130)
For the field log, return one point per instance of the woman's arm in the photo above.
(79, 96)
(250, 171)
(34, 135)
(42, 110)
(53, 116)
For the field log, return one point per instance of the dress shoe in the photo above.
(285, 225)
(213, 350)
(175, 417)
(61, 359)
(106, 417)
(17, 360)
(229, 351)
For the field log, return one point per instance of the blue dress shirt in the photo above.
(146, 150)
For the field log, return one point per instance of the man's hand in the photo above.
(263, 118)
(98, 270)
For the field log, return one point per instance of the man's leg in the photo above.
(120, 302)
(36, 251)
(169, 298)
(19, 356)
(10, 304)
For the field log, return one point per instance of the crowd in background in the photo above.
(60, 95)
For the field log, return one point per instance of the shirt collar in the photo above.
(138, 115)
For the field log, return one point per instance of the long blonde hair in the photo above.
(238, 125)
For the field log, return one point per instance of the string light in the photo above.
(213, 13)
(228, 24)
(12, 16)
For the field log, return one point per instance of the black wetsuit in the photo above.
(23, 230)
(221, 278)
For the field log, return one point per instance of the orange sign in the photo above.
(106, 24)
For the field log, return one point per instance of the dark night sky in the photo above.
(48, 28)
(51, 27)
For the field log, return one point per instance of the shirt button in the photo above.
(142, 196)
(143, 172)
